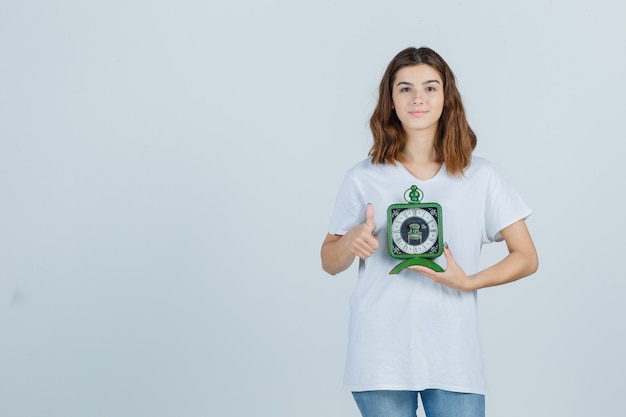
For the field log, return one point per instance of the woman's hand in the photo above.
(363, 243)
(338, 251)
(453, 277)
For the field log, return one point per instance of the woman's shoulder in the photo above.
(480, 165)
(368, 173)
(365, 165)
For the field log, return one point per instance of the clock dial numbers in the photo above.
(414, 230)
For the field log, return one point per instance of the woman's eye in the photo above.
(405, 89)
(430, 89)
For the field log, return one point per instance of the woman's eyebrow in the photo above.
(411, 84)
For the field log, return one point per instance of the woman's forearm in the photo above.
(336, 254)
(521, 261)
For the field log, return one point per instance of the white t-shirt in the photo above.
(406, 331)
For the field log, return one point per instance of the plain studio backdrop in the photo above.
(168, 170)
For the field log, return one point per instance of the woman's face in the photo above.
(418, 98)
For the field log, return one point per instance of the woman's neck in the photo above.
(420, 147)
(420, 158)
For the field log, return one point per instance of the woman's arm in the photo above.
(338, 251)
(520, 262)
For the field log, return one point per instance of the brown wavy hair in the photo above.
(455, 140)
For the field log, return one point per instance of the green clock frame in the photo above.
(415, 233)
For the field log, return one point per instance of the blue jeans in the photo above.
(437, 403)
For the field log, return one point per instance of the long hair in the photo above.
(454, 140)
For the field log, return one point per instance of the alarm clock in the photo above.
(415, 231)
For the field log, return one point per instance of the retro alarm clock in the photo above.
(415, 231)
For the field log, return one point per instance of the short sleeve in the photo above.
(349, 207)
(504, 206)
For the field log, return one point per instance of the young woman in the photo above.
(416, 332)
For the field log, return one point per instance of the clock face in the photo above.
(415, 230)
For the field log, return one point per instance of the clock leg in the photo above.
(416, 261)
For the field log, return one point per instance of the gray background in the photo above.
(168, 170)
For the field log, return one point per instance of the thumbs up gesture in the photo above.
(363, 242)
